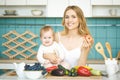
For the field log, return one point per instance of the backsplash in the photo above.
(102, 30)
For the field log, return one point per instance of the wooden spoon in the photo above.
(109, 49)
(100, 49)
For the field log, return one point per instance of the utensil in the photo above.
(118, 55)
(109, 49)
(100, 50)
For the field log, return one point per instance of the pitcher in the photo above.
(19, 68)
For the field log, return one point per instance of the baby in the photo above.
(49, 46)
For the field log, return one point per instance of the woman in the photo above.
(75, 39)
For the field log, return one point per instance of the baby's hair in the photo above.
(45, 29)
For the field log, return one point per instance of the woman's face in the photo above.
(71, 20)
(47, 38)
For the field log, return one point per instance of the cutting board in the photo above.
(49, 77)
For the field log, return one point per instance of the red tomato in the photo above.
(82, 71)
(49, 69)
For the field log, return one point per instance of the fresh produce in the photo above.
(35, 67)
(73, 72)
(82, 71)
(95, 72)
(49, 69)
(66, 71)
(89, 68)
(57, 72)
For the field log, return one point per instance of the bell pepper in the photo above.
(82, 71)
(49, 69)
(89, 68)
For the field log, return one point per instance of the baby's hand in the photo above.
(51, 57)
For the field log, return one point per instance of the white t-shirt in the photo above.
(49, 49)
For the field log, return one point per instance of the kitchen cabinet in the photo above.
(101, 2)
(105, 8)
(116, 2)
(15, 2)
(85, 5)
(2, 2)
(56, 8)
(105, 2)
(36, 2)
(23, 7)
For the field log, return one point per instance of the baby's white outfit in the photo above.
(71, 56)
(49, 49)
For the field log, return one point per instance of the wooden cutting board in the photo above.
(49, 77)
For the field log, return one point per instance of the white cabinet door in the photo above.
(15, 2)
(116, 2)
(2, 2)
(36, 2)
(84, 5)
(56, 8)
(101, 2)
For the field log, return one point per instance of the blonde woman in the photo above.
(75, 39)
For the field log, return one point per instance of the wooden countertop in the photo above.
(49, 77)
(12, 76)
(33, 61)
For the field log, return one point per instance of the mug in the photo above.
(113, 12)
(111, 66)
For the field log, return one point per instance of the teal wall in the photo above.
(102, 29)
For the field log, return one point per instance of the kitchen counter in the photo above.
(12, 76)
(33, 61)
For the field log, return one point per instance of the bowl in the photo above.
(36, 12)
(34, 74)
(10, 12)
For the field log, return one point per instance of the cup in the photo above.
(111, 66)
(113, 12)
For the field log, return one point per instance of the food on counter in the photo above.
(35, 67)
(89, 68)
(57, 72)
(95, 72)
(49, 69)
(82, 71)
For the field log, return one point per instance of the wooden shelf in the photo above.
(22, 16)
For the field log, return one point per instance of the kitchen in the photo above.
(102, 19)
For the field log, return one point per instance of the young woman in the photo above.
(75, 39)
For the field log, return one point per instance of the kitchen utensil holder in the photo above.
(13, 38)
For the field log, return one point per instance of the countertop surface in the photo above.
(33, 61)
(12, 76)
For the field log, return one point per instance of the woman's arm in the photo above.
(86, 46)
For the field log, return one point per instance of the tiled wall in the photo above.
(102, 29)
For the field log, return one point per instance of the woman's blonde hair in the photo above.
(82, 27)
(45, 29)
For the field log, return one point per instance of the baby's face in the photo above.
(47, 38)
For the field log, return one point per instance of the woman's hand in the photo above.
(52, 57)
(88, 41)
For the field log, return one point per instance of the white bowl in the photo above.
(10, 12)
(33, 74)
(36, 12)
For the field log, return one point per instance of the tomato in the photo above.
(49, 69)
(82, 71)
